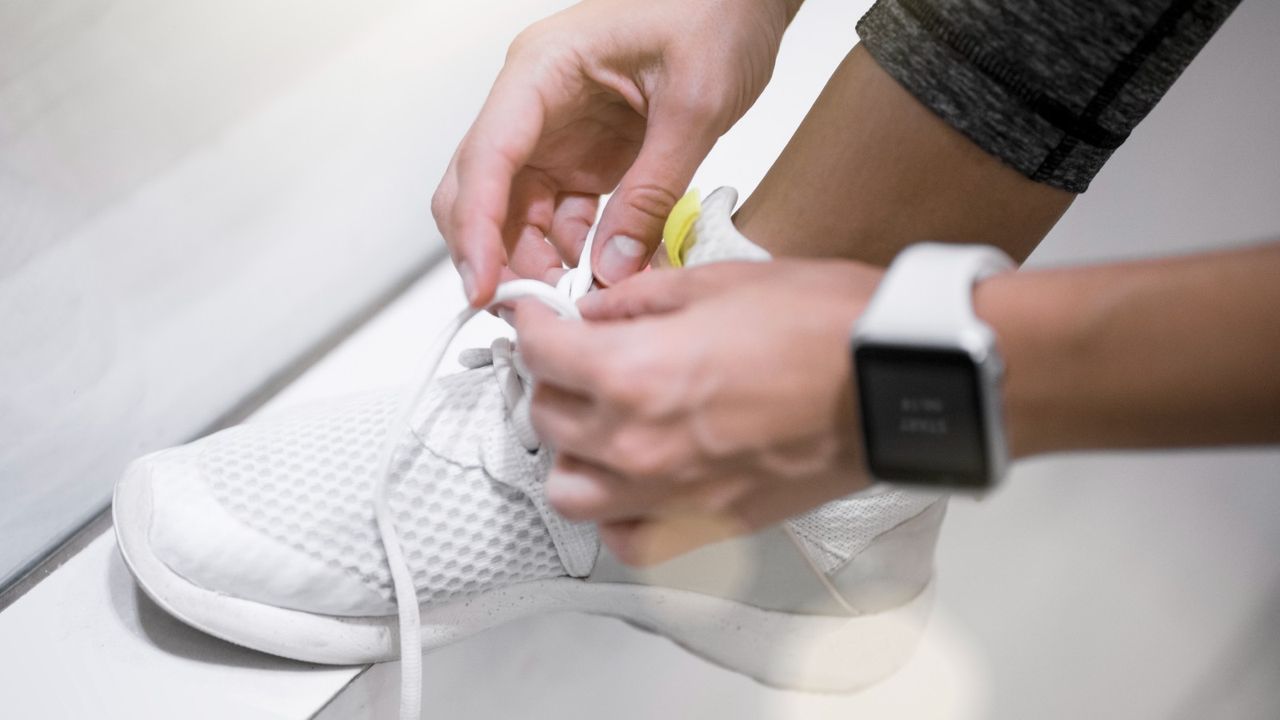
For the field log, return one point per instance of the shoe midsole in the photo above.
(799, 651)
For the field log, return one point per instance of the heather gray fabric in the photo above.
(1051, 87)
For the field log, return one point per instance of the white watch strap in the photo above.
(926, 297)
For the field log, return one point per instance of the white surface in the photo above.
(139, 663)
(86, 643)
(191, 195)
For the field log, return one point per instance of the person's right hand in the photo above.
(626, 96)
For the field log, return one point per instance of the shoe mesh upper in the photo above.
(841, 529)
(305, 481)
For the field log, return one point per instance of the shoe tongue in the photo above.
(714, 238)
(516, 385)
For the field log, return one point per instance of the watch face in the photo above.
(922, 415)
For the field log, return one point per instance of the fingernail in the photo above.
(570, 488)
(621, 257)
(468, 281)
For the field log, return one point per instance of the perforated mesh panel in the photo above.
(844, 528)
(306, 481)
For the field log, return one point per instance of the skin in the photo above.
(871, 170)
(658, 423)
(1169, 353)
(606, 96)
(673, 427)
(673, 435)
(725, 467)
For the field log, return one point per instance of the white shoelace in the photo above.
(562, 298)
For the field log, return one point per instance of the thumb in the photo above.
(649, 293)
(631, 226)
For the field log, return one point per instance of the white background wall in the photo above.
(192, 194)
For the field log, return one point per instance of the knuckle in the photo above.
(467, 227)
(637, 457)
(441, 204)
(544, 40)
(651, 200)
(625, 392)
(614, 382)
(526, 40)
(699, 104)
(469, 155)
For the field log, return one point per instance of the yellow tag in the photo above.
(679, 224)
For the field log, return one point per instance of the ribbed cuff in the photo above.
(983, 96)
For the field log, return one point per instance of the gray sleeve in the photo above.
(1051, 87)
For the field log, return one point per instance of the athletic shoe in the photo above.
(270, 535)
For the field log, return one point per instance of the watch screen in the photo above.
(922, 415)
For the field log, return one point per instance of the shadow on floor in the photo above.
(142, 616)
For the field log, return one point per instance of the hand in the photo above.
(700, 403)
(607, 94)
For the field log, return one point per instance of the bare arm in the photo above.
(1162, 353)
(1167, 353)
(871, 170)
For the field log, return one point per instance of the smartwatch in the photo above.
(928, 372)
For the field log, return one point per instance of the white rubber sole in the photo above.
(795, 651)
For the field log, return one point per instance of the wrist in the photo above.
(1042, 339)
(928, 371)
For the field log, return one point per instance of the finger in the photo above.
(531, 256)
(532, 205)
(584, 491)
(558, 351)
(648, 293)
(507, 310)
(497, 146)
(574, 216)
(563, 419)
(658, 291)
(442, 210)
(631, 225)
(653, 540)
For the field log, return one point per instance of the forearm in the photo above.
(1169, 353)
(871, 170)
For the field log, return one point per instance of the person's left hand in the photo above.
(698, 404)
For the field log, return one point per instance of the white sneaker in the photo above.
(265, 535)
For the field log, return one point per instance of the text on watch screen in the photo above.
(923, 414)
